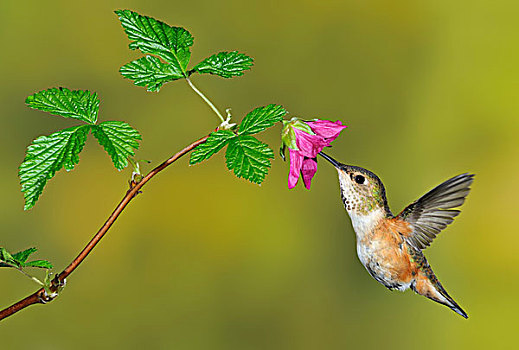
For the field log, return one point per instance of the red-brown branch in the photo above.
(40, 296)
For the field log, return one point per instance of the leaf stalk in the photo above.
(213, 107)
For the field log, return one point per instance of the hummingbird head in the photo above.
(361, 190)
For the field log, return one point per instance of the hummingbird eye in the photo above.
(359, 179)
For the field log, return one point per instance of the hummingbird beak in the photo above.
(331, 160)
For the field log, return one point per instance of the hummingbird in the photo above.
(391, 247)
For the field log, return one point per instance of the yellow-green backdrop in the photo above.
(203, 260)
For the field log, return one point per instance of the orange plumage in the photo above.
(390, 247)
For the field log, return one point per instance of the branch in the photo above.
(41, 296)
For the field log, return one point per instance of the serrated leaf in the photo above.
(23, 255)
(261, 118)
(216, 141)
(225, 64)
(6, 259)
(149, 71)
(157, 38)
(119, 140)
(47, 155)
(77, 104)
(248, 158)
(44, 264)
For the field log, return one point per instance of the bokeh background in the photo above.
(203, 260)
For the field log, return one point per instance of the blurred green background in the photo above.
(203, 260)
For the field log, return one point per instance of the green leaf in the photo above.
(47, 155)
(19, 259)
(44, 264)
(119, 140)
(6, 259)
(216, 141)
(261, 118)
(157, 38)
(149, 71)
(248, 158)
(22, 256)
(225, 64)
(77, 104)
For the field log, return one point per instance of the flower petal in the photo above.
(296, 161)
(308, 171)
(310, 145)
(327, 129)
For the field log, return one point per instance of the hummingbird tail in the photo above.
(427, 284)
(451, 303)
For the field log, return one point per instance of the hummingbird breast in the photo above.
(384, 253)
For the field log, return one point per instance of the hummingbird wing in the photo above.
(432, 212)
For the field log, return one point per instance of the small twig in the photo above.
(40, 296)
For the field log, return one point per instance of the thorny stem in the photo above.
(206, 100)
(41, 296)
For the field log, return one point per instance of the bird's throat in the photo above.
(364, 223)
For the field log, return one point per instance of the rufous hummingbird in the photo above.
(390, 247)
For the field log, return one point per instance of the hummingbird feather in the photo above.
(432, 212)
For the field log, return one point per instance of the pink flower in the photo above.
(327, 129)
(305, 141)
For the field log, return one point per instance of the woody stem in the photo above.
(41, 296)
